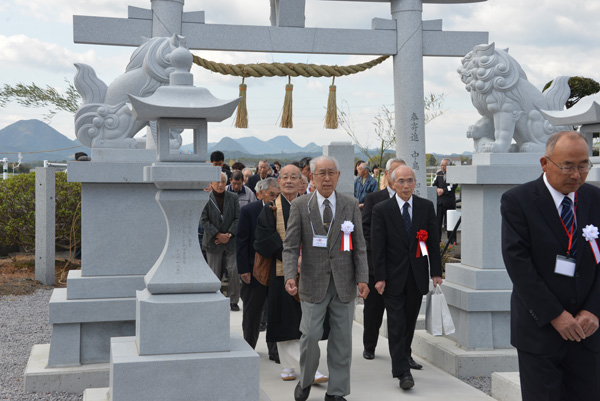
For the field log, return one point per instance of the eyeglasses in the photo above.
(326, 173)
(409, 181)
(570, 169)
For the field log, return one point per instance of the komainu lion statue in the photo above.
(508, 102)
(105, 120)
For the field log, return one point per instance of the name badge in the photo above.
(564, 266)
(320, 241)
(449, 187)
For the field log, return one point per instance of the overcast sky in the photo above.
(548, 37)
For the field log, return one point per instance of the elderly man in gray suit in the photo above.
(325, 244)
(220, 221)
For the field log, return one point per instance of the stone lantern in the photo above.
(183, 348)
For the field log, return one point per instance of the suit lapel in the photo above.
(315, 215)
(583, 208)
(547, 208)
(338, 219)
(396, 216)
(417, 218)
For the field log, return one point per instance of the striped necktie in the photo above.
(566, 215)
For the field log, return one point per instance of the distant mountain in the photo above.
(227, 143)
(252, 147)
(35, 136)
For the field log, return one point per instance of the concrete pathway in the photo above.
(371, 380)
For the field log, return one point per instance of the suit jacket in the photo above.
(245, 236)
(252, 181)
(532, 236)
(213, 222)
(371, 200)
(395, 251)
(348, 268)
(448, 198)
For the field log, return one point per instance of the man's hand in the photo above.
(568, 327)
(363, 290)
(246, 277)
(437, 280)
(290, 287)
(380, 286)
(361, 205)
(588, 322)
(221, 238)
(440, 191)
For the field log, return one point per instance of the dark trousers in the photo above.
(372, 316)
(402, 314)
(441, 218)
(570, 374)
(254, 296)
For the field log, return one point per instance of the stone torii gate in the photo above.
(406, 36)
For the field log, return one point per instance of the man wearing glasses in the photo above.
(326, 227)
(402, 267)
(550, 249)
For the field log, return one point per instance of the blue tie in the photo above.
(566, 215)
(406, 217)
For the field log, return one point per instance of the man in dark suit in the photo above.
(263, 172)
(220, 220)
(253, 293)
(548, 233)
(333, 264)
(373, 306)
(402, 270)
(446, 195)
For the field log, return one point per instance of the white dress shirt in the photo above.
(401, 205)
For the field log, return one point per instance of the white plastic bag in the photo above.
(438, 320)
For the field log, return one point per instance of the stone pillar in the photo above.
(166, 17)
(45, 224)
(408, 88)
(343, 152)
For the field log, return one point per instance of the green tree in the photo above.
(430, 160)
(33, 95)
(580, 87)
(17, 211)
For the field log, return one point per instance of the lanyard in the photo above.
(217, 207)
(570, 232)
(311, 223)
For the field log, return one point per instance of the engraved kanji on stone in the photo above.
(414, 126)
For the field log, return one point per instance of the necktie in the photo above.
(406, 217)
(566, 214)
(327, 214)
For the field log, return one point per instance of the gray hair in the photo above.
(237, 176)
(247, 169)
(553, 139)
(446, 160)
(365, 166)
(394, 173)
(313, 162)
(267, 183)
(393, 160)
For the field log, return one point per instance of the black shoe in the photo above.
(234, 307)
(413, 364)
(262, 327)
(275, 358)
(406, 381)
(301, 394)
(334, 397)
(368, 355)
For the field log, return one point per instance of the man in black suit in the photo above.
(263, 172)
(373, 306)
(253, 293)
(548, 230)
(401, 267)
(446, 195)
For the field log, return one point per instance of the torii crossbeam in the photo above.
(406, 36)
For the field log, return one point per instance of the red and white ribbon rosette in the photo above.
(347, 229)
(422, 237)
(590, 233)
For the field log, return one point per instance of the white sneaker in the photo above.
(320, 378)
(288, 374)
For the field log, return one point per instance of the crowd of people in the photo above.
(303, 251)
(297, 252)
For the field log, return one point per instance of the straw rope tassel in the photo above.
(331, 118)
(241, 118)
(286, 115)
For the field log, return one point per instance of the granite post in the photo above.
(45, 224)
